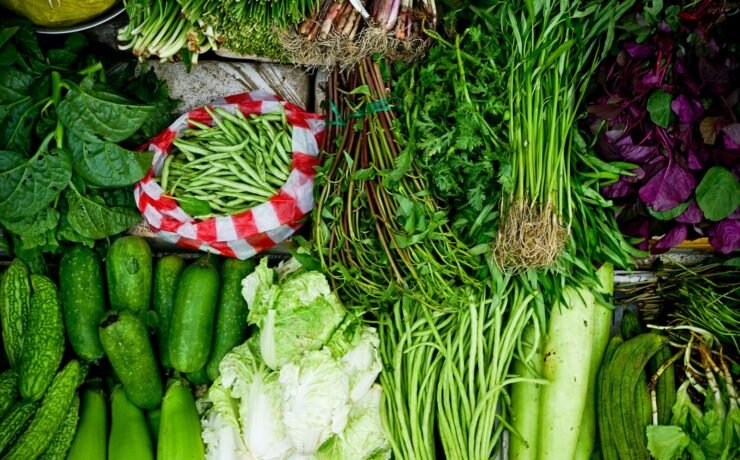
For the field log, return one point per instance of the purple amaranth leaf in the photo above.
(696, 158)
(674, 237)
(651, 79)
(730, 144)
(606, 111)
(638, 153)
(725, 236)
(669, 187)
(639, 50)
(733, 132)
(692, 215)
(688, 110)
(716, 77)
(625, 186)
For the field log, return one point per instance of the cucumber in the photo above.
(54, 407)
(129, 432)
(91, 438)
(15, 302)
(152, 421)
(63, 437)
(126, 343)
(15, 422)
(231, 316)
(191, 331)
(129, 271)
(43, 344)
(8, 390)
(83, 300)
(630, 326)
(180, 429)
(166, 275)
(199, 377)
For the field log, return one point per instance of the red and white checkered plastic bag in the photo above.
(245, 234)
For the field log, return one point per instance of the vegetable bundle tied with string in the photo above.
(555, 46)
(379, 231)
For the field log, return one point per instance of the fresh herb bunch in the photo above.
(452, 110)
(667, 102)
(67, 124)
(380, 233)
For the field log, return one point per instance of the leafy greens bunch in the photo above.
(667, 103)
(452, 107)
(63, 174)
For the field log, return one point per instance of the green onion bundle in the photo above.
(555, 46)
(157, 28)
(224, 169)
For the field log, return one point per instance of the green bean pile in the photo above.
(239, 162)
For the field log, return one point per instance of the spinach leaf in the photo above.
(90, 217)
(718, 194)
(38, 230)
(7, 33)
(96, 113)
(107, 164)
(27, 185)
(67, 233)
(659, 106)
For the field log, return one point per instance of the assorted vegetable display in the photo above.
(486, 175)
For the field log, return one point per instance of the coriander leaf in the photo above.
(107, 164)
(27, 185)
(659, 106)
(718, 193)
(666, 442)
(90, 217)
(94, 113)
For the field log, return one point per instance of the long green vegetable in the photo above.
(555, 45)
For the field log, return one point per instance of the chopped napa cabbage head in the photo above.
(362, 363)
(364, 437)
(316, 400)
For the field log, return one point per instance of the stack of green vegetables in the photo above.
(229, 167)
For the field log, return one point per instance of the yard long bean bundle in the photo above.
(555, 46)
(379, 231)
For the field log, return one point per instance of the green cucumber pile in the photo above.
(141, 335)
(229, 167)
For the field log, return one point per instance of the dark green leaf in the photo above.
(6, 33)
(718, 194)
(671, 213)
(90, 217)
(17, 125)
(29, 185)
(308, 261)
(194, 206)
(46, 220)
(8, 55)
(659, 106)
(95, 113)
(107, 164)
(66, 232)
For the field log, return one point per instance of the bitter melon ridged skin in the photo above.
(83, 300)
(8, 390)
(15, 301)
(50, 415)
(43, 345)
(62, 439)
(14, 422)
